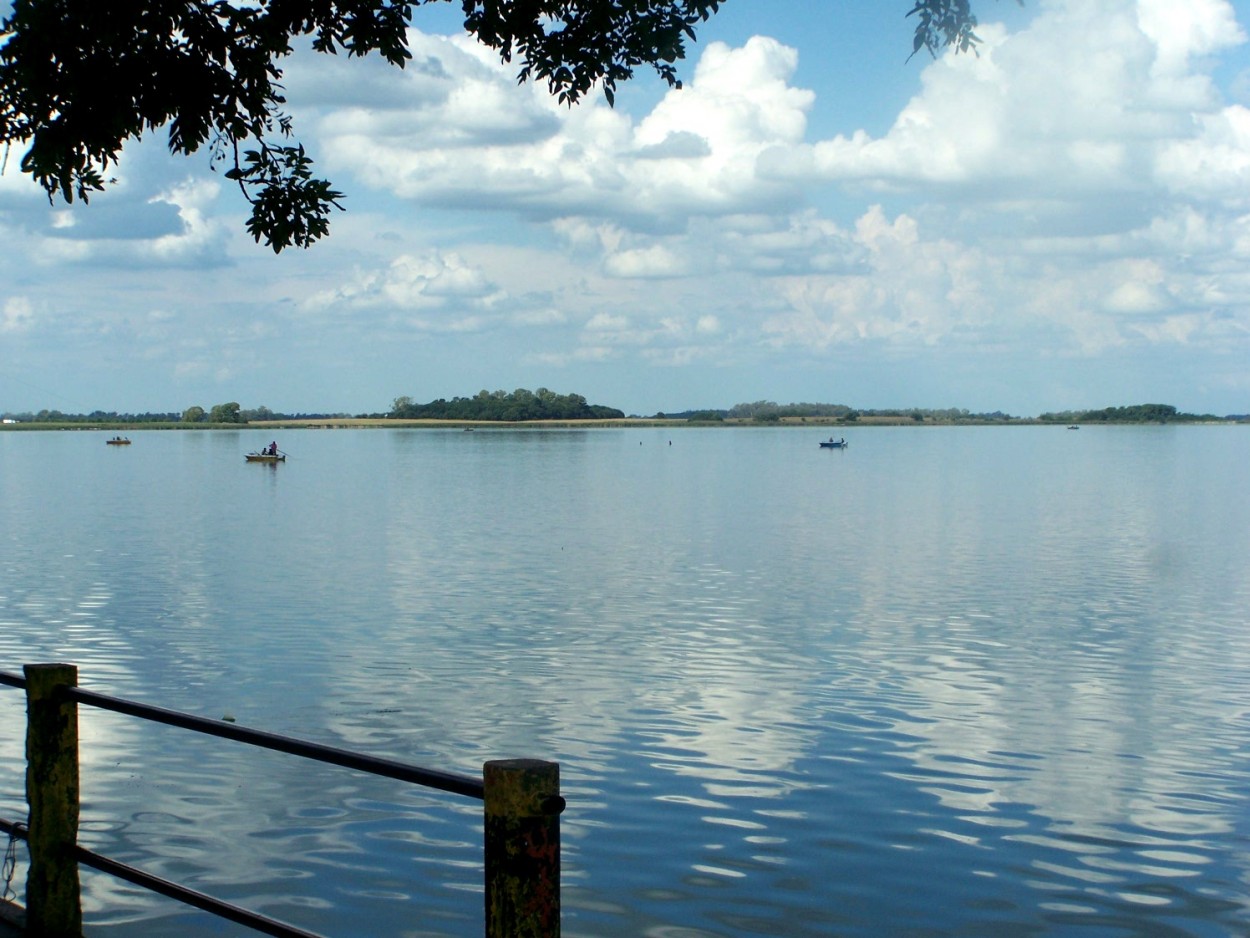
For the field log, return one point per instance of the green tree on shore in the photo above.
(1136, 413)
(224, 413)
(516, 407)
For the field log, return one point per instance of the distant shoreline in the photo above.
(793, 423)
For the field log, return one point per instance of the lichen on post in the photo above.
(523, 806)
(53, 899)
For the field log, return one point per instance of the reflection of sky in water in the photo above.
(947, 679)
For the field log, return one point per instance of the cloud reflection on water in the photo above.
(952, 663)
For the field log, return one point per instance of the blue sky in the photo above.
(1060, 222)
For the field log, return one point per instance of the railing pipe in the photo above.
(12, 680)
(521, 829)
(387, 768)
(199, 900)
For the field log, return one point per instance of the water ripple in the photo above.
(953, 683)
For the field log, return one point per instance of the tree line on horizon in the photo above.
(522, 405)
(227, 413)
(515, 407)
(772, 412)
(231, 412)
(1138, 413)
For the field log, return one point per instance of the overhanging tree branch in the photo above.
(79, 78)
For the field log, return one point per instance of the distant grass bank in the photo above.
(342, 423)
(361, 423)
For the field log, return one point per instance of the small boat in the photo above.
(265, 457)
(118, 441)
(1074, 427)
(831, 443)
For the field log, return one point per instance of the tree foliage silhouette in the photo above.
(79, 78)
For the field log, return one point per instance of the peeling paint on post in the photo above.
(53, 901)
(523, 806)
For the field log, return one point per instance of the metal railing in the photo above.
(522, 806)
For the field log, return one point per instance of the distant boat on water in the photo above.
(269, 453)
(831, 443)
(118, 441)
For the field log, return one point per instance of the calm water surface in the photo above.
(966, 681)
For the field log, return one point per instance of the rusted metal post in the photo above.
(53, 901)
(523, 806)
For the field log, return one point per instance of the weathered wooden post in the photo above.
(523, 806)
(53, 901)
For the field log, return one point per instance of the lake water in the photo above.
(949, 681)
